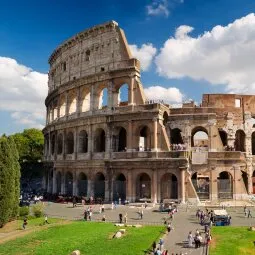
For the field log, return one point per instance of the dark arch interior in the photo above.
(176, 137)
(119, 188)
(223, 137)
(60, 144)
(70, 143)
(165, 118)
(53, 144)
(144, 141)
(99, 186)
(240, 141)
(121, 177)
(122, 141)
(224, 175)
(100, 141)
(83, 142)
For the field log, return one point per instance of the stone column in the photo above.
(155, 135)
(110, 89)
(154, 186)
(131, 91)
(64, 145)
(48, 184)
(78, 103)
(50, 146)
(90, 140)
(58, 109)
(213, 185)
(90, 188)
(182, 171)
(130, 136)
(74, 183)
(66, 99)
(130, 184)
(248, 144)
(75, 143)
(63, 188)
(54, 182)
(107, 191)
(108, 143)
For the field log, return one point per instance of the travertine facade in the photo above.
(138, 149)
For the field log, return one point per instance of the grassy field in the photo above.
(89, 237)
(232, 241)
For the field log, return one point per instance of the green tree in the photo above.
(6, 180)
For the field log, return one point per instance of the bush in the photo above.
(38, 210)
(23, 211)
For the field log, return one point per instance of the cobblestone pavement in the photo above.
(183, 222)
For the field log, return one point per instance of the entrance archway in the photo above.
(240, 141)
(143, 186)
(201, 184)
(100, 140)
(225, 185)
(145, 139)
(223, 137)
(253, 182)
(69, 184)
(176, 137)
(99, 186)
(119, 188)
(169, 186)
(122, 141)
(58, 183)
(199, 137)
(82, 185)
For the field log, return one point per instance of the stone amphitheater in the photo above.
(98, 145)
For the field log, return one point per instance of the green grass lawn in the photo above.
(232, 241)
(89, 237)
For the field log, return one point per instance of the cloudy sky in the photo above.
(186, 48)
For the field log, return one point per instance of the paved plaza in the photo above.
(183, 222)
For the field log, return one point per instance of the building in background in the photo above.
(97, 144)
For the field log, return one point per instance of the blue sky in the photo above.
(189, 61)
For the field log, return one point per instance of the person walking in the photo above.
(161, 244)
(120, 217)
(102, 208)
(141, 214)
(245, 212)
(154, 246)
(169, 227)
(24, 223)
(125, 218)
(46, 219)
(249, 214)
(190, 240)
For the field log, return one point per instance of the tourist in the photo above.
(102, 208)
(154, 246)
(169, 227)
(190, 240)
(46, 219)
(120, 217)
(165, 252)
(24, 223)
(141, 214)
(145, 204)
(86, 215)
(112, 205)
(104, 218)
(161, 244)
(245, 212)
(74, 202)
(249, 213)
(90, 215)
(158, 252)
(125, 218)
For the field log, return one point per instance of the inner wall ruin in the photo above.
(99, 145)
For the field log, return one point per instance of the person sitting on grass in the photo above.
(46, 219)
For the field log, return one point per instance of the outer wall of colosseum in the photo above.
(97, 144)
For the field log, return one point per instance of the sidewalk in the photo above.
(176, 240)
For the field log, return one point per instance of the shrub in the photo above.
(38, 210)
(23, 211)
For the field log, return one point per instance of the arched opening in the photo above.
(253, 182)
(225, 185)
(69, 184)
(201, 184)
(72, 102)
(55, 110)
(99, 186)
(58, 182)
(122, 140)
(240, 141)
(145, 139)
(143, 190)
(60, 143)
(165, 118)
(52, 144)
(176, 137)
(199, 137)
(253, 143)
(169, 186)
(83, 142)
(223, 137)
(70, 143)
(62, 106)
(123, 95)
(85, 100)
(82, 185)
(119, 188)
(245, 180)
(103, 99)
(99, 140)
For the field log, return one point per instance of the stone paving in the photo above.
(183, 222)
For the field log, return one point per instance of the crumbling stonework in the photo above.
(138, 149)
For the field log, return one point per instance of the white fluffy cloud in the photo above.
(168, 95)
(145, 54)
(22, 93)
(225, 55)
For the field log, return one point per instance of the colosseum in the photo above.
(101, 145)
